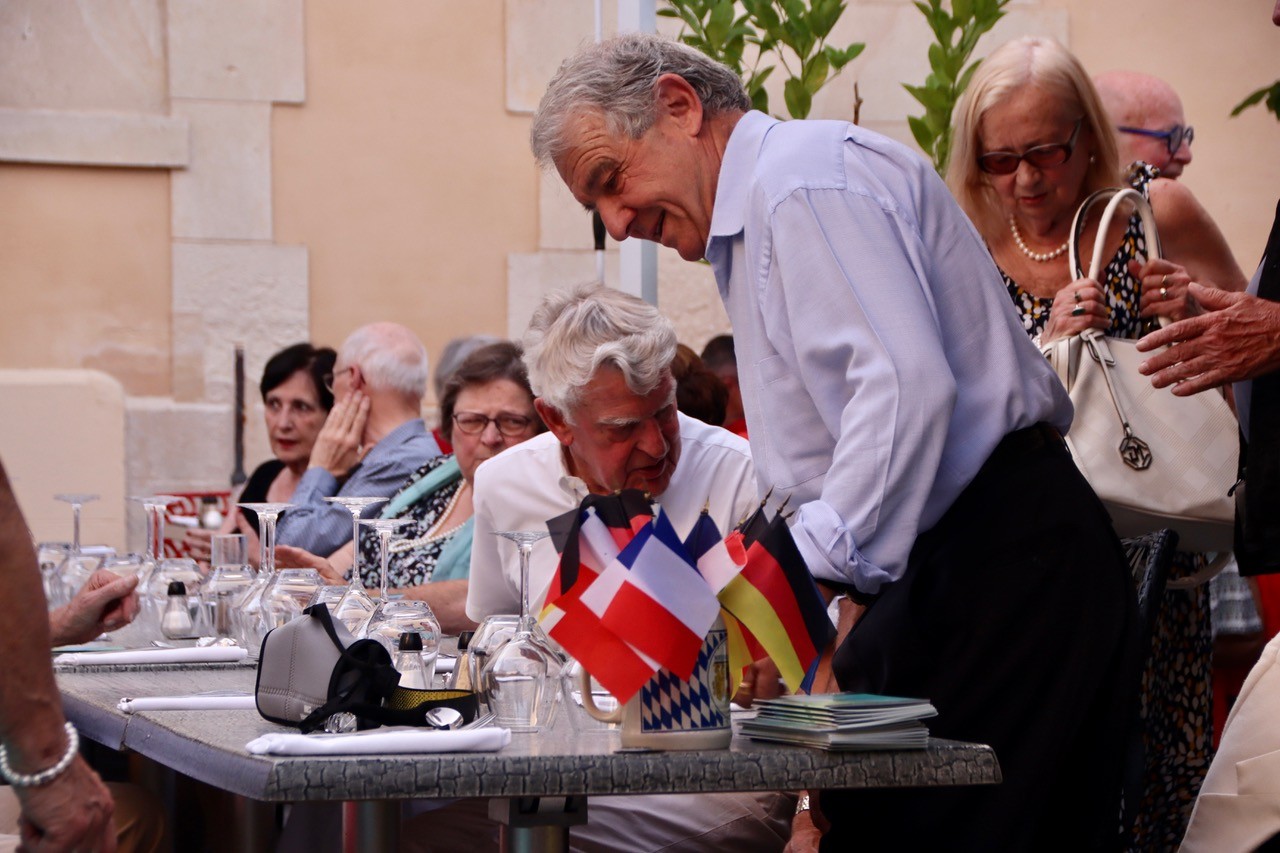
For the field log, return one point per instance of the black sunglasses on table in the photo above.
(1041, 156)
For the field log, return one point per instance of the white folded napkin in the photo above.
(192, 654)
(236, 702)
(394, 741)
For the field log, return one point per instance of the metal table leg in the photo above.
(370, 826)
(537, 824)
(254, 824)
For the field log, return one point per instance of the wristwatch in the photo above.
(802, 805)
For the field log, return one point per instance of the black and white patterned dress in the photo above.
(412, 556)
(1176, 704)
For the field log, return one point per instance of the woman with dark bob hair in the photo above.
(487, 407)
(295, 404)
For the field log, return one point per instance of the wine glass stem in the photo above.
(151, 532)
(158, 526)
(267, 553)
(75, 527)
(385, 539)
(526, 618)
(355, 546)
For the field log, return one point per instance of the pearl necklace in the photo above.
(434, 533)
(1035, 256)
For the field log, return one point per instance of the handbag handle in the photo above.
(1114, 196)
(1133, 450)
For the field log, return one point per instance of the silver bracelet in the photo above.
(44, 777)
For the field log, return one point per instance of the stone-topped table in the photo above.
(210, 746)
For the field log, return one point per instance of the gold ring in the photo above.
(1164, 293)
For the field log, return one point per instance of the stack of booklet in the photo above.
(842, 721)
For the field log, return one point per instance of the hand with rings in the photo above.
(1078, 306)
(1164, 290)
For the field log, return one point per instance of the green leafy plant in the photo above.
(956, 34)
(1271, 94)
(792, 32)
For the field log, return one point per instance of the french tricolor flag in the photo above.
(591, 547)
(653, 599)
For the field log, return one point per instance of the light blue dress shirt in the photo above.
(879, 356)
(321, 527)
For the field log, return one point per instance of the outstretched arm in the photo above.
(1238, 339)
(73, 810)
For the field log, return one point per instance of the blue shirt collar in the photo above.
(736, 167)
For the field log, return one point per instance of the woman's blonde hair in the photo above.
(1025, 61)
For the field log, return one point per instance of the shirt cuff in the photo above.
(318, 480)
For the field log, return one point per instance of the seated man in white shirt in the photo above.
(598, 362)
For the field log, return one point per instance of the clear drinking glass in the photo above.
(231, 575)
(166, 572)
(355, 605)
(50, 555)
(77, 565)
(250, 628)
(125, 565)
(571, 691)
(390, 618)
(494, 630)
(288, 594)
(522, 676)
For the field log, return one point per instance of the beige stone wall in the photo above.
(179, 176)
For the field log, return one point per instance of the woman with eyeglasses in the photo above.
(487, 406)
(1031, 141)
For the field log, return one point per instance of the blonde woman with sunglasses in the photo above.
(1031, 142)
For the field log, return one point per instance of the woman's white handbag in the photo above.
(1154, 459)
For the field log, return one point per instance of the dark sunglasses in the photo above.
(1173, 137)
(1041, 156)
(473, 423)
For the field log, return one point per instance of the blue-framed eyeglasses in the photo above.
(1173, 138)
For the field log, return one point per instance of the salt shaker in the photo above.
(176, 621)
(409, 663)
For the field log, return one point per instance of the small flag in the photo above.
(653, 598)
(775, 599)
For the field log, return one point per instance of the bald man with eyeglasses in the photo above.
(1150, 124)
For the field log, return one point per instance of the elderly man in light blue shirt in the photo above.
(373, 439)
(891, 392)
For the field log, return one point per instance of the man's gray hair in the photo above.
(389, 356)
(577, 330)
(616, 79)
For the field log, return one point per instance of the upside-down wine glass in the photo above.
(76, 566)
(148, 621)
(355, 606)
(250, 609)
(522, 676)
(390, 618)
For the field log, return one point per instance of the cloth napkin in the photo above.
(192, 654)
(238, 702)
(396, 741)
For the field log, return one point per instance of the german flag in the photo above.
(777, 603)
